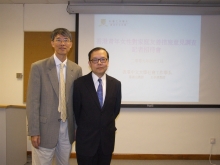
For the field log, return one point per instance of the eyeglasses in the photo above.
(65, 40)
(96, 60)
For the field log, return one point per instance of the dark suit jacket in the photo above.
(43, 100)
(95, 125)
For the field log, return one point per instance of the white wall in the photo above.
(11, 53)
(140, 130)
(167, 131)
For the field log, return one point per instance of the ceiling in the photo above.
(197, 2)
(194, 7)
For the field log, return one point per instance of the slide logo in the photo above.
(113, 22)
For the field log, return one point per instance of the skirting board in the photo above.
(157, 156)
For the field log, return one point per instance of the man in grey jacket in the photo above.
(52, 128)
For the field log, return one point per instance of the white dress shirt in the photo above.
(58, 62)
(96, 83)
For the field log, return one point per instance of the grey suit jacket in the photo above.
(43, 99)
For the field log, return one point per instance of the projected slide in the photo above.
(157, 58)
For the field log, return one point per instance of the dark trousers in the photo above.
(98, 159)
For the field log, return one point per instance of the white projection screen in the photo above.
(159, 59)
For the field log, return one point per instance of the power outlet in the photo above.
(212, 140)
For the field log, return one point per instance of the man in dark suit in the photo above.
(51, 122)
(95, 114)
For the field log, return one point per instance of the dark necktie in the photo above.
(100, 92)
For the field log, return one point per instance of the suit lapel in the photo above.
(91, 88)
(52, 72)
(108, 88)
(69, 81)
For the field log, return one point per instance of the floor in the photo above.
(150, 162)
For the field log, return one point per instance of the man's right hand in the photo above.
(35, 140)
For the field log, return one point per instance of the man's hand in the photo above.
(35, 140)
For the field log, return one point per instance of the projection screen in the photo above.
(159, 59)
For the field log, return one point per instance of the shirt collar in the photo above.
(58, 62)
(95, 77)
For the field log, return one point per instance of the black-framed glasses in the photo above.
(96, 60)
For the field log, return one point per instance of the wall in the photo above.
(140, 131)
(11, 53)
(167, 131)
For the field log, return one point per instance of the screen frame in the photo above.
(141, 105)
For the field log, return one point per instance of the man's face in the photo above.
(99, 62)
(61, 45)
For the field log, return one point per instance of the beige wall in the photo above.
(11, 53)
(140, 131)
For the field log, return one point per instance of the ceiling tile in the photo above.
(5, 2)
(30, 1)
(58, 1)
